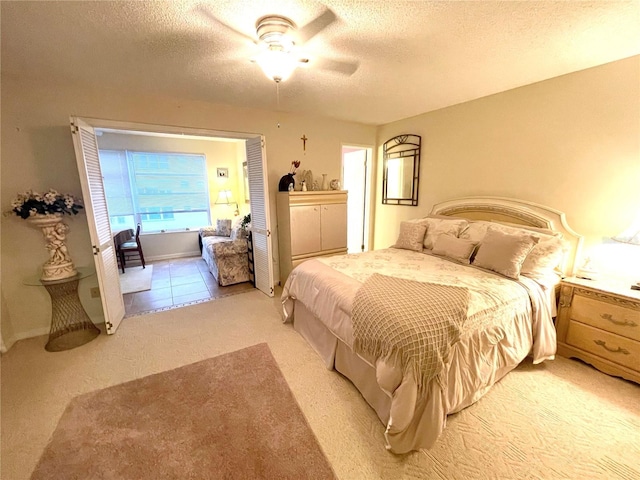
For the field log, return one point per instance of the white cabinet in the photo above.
(305, 229)
(310, 224)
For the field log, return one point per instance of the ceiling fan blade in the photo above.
(211, 18)
(336, 66)
(315, 26)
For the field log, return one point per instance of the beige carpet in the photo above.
(559, 420)
(136, 279)
(232, 416)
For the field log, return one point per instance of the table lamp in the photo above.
(631, 236)
(225, 198)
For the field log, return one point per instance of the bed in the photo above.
(423, 329)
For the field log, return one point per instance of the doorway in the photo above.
(91, 178)
(170, 186)
(356, 179)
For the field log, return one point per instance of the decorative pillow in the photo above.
(208, 231)
(411, 236)
(454, 248)
(475, 231)
(441, 226)
(515, 229)
(504, 253)
(478, 229)
(238, 233)
(545, 257)
(223, 227)
(545, 231)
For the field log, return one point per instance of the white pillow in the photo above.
(456, 249)
(529, 228)
(441, 226)
(504, 253)
(475, 231)
(544, 258)
(411, 236)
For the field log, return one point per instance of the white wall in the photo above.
(37, 153)
(572, 143)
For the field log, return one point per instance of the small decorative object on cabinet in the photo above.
(325, 182)
(287, 182)
(310, 224)
(599, 323)
(334, 184)
(307, 177)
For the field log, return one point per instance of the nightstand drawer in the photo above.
(615, 348)
(606, 316)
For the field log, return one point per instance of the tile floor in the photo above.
(176, 282)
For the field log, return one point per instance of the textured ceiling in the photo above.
(413, 56)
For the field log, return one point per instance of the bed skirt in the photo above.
(428, 418)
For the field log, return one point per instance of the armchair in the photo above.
(225, 251)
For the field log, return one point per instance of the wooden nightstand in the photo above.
(599, 322)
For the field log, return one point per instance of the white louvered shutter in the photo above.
(95, 204)
(260, 218)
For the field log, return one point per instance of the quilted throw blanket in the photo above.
(410, 322)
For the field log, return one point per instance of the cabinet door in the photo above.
(305, 229)
(334, 226)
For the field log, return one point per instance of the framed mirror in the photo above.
(401, 170)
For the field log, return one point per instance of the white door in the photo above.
(260, 218)
(356, 174)
(95, 204)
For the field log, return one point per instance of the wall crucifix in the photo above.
(304, 142)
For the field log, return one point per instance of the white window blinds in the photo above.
(162, 191)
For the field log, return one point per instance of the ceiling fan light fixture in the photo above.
(277, 64)
(275, 29)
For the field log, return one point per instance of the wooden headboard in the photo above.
(511, 210)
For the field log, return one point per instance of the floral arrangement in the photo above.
(32, 203)
(294, 166)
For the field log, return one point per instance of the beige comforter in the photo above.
(489, 346)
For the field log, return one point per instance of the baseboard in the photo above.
(3, 347)
(195, 253)
(6, 344)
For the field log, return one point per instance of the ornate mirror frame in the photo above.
(401, 170)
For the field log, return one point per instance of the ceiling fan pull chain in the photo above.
(278, 99)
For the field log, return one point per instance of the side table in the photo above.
(599, 322)
(70, 324)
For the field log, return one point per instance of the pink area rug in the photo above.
(228, 417)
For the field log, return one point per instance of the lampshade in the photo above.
(224, 197)
(276, 63)
(630, 235)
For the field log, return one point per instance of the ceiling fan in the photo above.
(279, 42)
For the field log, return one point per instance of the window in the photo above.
(162, 191)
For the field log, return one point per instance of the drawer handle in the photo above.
(624, 323)
(617, 350)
